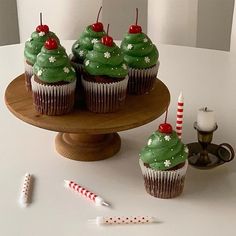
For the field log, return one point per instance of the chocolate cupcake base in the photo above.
(53, 100)
(28, 75)
(141, 81)
(105, 97)
(164, 184)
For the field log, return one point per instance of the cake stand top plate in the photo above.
(138, 110)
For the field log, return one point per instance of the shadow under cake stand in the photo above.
(87, 136)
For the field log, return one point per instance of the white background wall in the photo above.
(214, 23)
(120, 14)
(173, 21)
(9, 33)
(201, 23)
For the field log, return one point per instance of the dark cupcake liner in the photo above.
(105, 97)
(164, 184)
(141, 81)
(28, 75)
(53, 100)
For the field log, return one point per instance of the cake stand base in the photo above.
(87, 147)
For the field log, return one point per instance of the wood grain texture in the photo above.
(138, 110)
(86, 147)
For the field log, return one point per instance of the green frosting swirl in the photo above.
(35, 43)
(85, 43)
(105, 60)
(139, 51)
(54, 66)
(164, 151)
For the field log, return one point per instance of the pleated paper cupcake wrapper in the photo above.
(105, 97)
(53, 99)
(141, 81)
(28, 75)
(164, 184)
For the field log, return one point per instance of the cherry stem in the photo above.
(99, 13)
(108, 28)
(136, 16)
(166, 115)
(41, 18)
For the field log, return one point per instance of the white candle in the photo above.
(206, 119)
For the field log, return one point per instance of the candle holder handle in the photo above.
(223, 155)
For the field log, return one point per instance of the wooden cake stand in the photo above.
(86, 136)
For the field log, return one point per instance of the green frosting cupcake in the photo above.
(85, 43)
(139, 51)
(164, 151)
(35, 43)
(53, 66)
(106, 61)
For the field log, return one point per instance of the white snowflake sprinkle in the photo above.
(147, 59)
(87, 63)
(76, 45)
(167, 163)
(142, 48)
(186, 149)
(112, 68)
(41, 33)
(52, 59)
(66, 70)
(97, 66)
(145, 40)
(124, 66)
(72, 69)
(172, 158)
(81, 53)
(149, 142)
(94, 41)
(130, 46)
(167, 138)
(107, 54)
(40, 72)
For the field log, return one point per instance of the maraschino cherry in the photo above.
(98, 26)
(165, 127)
(107, 40)
(135, 29)
(41, 27)
(51, 44)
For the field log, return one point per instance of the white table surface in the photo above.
(208, 203)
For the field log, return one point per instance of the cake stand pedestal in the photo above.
(87, 136)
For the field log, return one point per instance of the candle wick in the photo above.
(205, 109)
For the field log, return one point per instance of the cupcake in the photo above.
(164, 163)
(91, 35)
(105, 79)
(141, 56)
(32, 49)
(54, 80)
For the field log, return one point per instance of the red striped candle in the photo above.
(179, 118)
(85, 192)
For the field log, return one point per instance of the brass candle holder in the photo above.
(206, 155)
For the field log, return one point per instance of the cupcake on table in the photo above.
(91, 35)
(163, 162)
(141, 56)
(105, 79)
(54, 80)
(33, 47)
